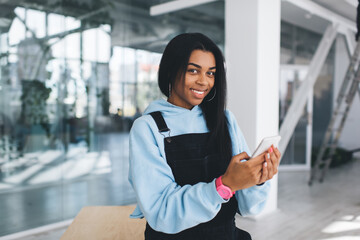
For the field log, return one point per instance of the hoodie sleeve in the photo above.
(166, 206)
(251, 201)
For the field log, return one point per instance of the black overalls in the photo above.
(193, 160)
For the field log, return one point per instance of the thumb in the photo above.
(242, 156)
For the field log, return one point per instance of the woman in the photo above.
(187, 154)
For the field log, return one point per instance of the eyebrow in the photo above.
(198, 66)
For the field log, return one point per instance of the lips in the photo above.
(198, 93)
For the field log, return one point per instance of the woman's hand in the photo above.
(244, 174)
(271, 165)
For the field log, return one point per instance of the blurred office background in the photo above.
(75, 74)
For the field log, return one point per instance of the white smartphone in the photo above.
(265, 144)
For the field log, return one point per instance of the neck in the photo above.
(171, 100)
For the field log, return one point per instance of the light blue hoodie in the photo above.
(167, 206)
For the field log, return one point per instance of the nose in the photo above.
(201, 79)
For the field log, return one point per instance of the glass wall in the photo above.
(74, 75)
(291, 77)
(298, 47)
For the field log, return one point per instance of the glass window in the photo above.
(64, 128)
(56, 23)
(89, 45)
(104, 40)
(72, 23)
(4, 43)
(72, 46)
(92, 39)
(17, 30)
(298, 47)
(35, 20)
(291, 77)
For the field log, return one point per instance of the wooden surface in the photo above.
(105, 222)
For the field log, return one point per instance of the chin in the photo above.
(195, 103)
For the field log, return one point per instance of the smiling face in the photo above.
(199, 80)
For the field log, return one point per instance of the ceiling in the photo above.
(345, 8)
(132, 25)
(309, 19)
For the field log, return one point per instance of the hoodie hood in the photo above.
(168, 109)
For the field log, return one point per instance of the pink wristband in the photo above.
(224, 191)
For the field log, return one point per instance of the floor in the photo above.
(324, 211)
(54, 191)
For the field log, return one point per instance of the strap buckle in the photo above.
(168, 138)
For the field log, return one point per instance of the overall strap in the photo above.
(160, 122)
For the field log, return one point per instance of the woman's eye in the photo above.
(211, 74)
(192, 70)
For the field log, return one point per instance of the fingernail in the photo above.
(271, 150)
(268, 155)
(265, 164)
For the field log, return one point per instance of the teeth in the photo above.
(198, 92)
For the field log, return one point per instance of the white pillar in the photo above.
(252, 52)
